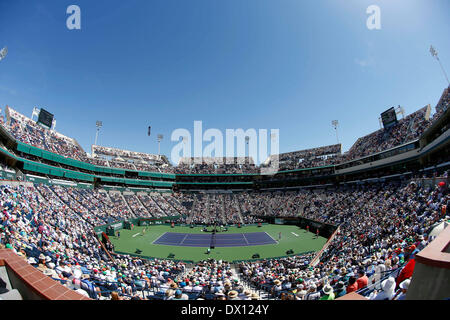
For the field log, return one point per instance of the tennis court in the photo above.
(162, 241)
(217, 240)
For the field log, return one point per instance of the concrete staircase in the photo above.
(127, 205)
(192, 213)
(236, 203)
(142, 205)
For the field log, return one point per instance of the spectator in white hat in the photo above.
(387, 290)
(328, 293)
(403, 288)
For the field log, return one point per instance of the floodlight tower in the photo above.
(335, 124)
(401, 110)
(435, 54)
(247, 139)
(98, 124)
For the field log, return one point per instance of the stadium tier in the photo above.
(131, 160)
(381, 227)
(122, 225)
(208, 165)
(405, 131)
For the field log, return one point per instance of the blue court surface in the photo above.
(218, 240)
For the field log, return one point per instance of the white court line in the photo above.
(184, 238)
(159, 237)
(167, 244)
(245, 238)
(271, 237)
(134, 235)
(294, 234)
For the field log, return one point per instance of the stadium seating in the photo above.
(382, 226)
(406, 130)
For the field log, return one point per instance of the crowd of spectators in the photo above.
(55, 235)
(30, 132)
(216, 209)
(199, 214)
(151, 205)
(132, 160)
(115, 152)
(405, 130)
(231, 210)
(95, 202)
(250, 205)
(121, 205)
(135, 205)
(314, 157)
(174, 200)
(216, 165)
(381, 228)
(442, 105)
(52, 230)
(207, 280)
(164, 204)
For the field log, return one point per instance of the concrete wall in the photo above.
(429, 283)
(431, 277)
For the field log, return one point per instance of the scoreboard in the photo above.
(46, 118)
(389, 117)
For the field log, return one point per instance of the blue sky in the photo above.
(291, 65)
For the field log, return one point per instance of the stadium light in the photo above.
(401, 110)
(98, 124)
(247, 139)
(435, 55)
(159, 138)
(335, 124)
(3, 53)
